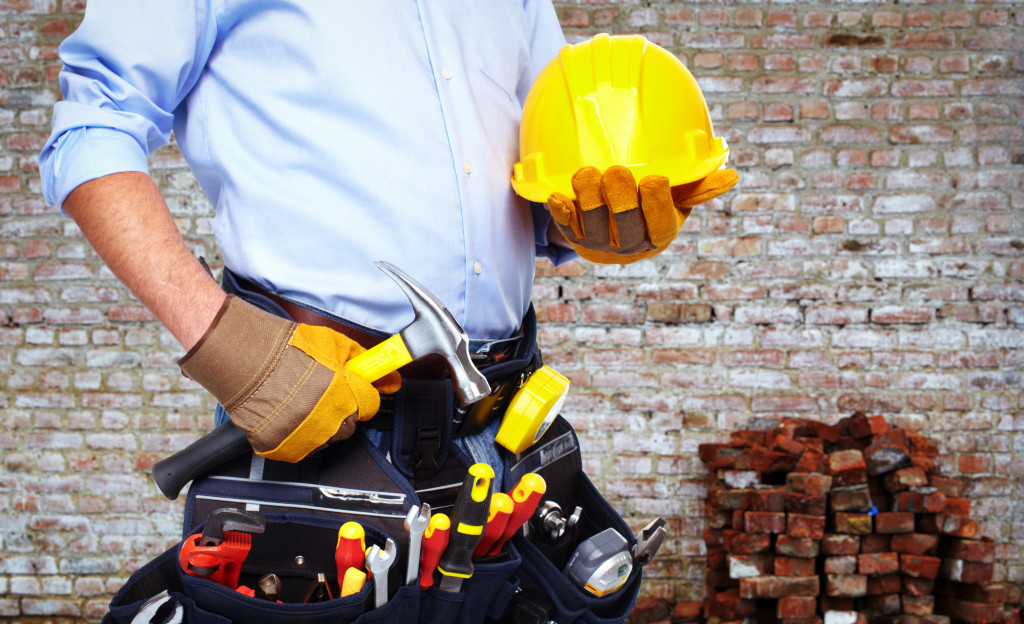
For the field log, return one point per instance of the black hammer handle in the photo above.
(224, 443)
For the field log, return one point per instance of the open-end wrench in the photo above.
(378, 562)
(416, 522)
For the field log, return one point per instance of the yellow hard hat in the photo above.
(618, 100)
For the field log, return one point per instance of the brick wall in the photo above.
(871, 259)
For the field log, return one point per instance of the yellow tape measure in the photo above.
(532, 409)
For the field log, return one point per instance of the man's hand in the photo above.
(283, 383)
(615, 221)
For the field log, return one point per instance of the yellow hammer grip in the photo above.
(381, 359)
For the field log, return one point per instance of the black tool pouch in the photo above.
(304, 505)
(546, 593)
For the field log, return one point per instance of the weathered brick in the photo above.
(833, 544)
(779, 586)
(846, 585)
(788, 546)
(885, 584)
(728, 605)
(895, 522)
(746, 566)
(743, 543)
(847, 468)
(796, 607)
(878, 564)
(835, 616)
(764, 522)
(920, 566)
(804, 504)
(841, 564)
(915, 543)
(856, 498)
(904, 479)
(804, 526)
(863, 426)
(875, 543)
(852, 523)
(794, 566)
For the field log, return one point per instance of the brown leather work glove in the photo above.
(283, 383)
(614, 221)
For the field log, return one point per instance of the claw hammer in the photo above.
(433, 331)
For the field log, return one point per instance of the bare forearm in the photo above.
(127, 221)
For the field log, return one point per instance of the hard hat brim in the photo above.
(539, 187)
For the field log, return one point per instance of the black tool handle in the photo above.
(469, 518)
(224, 443)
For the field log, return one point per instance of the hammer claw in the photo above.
(434, 331)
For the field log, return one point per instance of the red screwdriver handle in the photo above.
(435, 540)
(350, 551)
(497, 520)
(525, 496)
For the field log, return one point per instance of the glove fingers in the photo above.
(705, 189)
(626, 228)
(586, 183)
(388, 384)
(563, 211)
(663, 220)
(365, 395)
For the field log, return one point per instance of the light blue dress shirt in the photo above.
(327, 135)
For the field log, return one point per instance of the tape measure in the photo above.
(532, 409)
(601, 564)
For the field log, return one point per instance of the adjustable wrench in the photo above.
(379, 562)
(416, 522)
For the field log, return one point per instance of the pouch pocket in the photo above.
(296, 548)
(156, 576)
(486, 594)
(489, 590)
(565, 601)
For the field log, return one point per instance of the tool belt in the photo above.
(416, 450)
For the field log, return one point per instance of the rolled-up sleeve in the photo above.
(127, 68)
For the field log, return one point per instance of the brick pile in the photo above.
(811, 523)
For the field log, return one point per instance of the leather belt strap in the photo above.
(306, 316)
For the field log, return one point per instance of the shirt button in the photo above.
(467, 167)
(477, 268)
(446, 73)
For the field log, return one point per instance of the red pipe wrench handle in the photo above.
(221, 563)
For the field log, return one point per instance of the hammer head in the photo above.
(435, 331)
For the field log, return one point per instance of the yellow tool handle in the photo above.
(352, 582)
(381, 359)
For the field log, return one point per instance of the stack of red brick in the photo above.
(842, 524)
